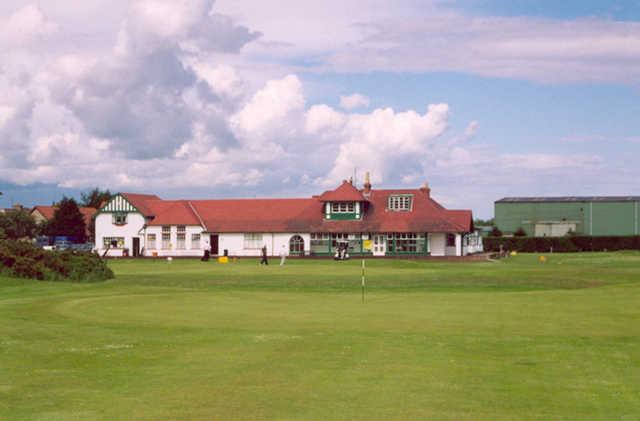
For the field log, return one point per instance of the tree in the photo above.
(67, 221)
(483, 222)
(17, 224)
(95, 198)
(495, 232)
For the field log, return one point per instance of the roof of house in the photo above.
(569, 199)
(48, 211)
(140, 201)
(304, 215)
(346, 192)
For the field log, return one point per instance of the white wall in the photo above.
(173, 250)
(106, 228)
(275, 242)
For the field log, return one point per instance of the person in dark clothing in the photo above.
(264, 260)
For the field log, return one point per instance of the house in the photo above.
(377, 222)
(43, 214)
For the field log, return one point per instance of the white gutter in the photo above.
(195, 212)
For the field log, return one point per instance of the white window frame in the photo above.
(119, 218)
(343, 207)
(166, 237)
(106, 242)
(195, 241)
(151, 241)
(400, 202)
(181, 237)
(252, 241)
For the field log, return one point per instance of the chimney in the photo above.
(367, 185)
(425, 189)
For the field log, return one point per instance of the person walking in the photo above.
(264, 260)
(283, 255)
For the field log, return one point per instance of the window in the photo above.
(113, 242)
(181, 238)
(343, 207)
(252, 241)
(400, 202)
(195, 241)
(166, 237)
(296, 245)
(151, 241)
(451, 240)
(119, 218)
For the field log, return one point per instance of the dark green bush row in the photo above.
(561, 244)
(24, 260)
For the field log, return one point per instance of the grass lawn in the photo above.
(515, 339)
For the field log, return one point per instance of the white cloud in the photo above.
(24, 26)
(269, 108)
(174, 95)
(352, 101)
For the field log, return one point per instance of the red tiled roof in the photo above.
(304, 215)
(345, 193)
(426, 215)
(171, 212)
(140, 201)
(48, 212)
(255, 215)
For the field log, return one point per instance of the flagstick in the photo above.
(363, 282)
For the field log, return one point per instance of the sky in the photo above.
(482, 99)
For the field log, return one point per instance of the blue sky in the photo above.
(481, 98)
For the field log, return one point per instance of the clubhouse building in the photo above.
(374, 222)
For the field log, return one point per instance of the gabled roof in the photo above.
(139, 201)
(48, 212)
(346, 192)
(305, 215)
(426, 215)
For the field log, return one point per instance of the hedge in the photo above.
(561, 244)
(24, 260)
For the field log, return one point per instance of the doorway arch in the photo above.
(296, 245)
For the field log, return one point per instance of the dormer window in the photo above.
(119, 218)
(400, 202)
(343, 207)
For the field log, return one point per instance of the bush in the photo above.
(23, 259)
(495, 232)
(561, 244)
(520, 232)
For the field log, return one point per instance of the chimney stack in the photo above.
(426, 189)
(367, 185)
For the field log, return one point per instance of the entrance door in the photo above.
(136, 246)
(214, 244)
(379, 245)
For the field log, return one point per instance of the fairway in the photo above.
(515, 339)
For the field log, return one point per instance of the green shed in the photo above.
(557, 216)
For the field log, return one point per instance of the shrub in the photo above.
(495, 232)
(520, 232)
(561, 244)
(23, 259)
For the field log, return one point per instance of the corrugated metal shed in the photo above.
(564, 199)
